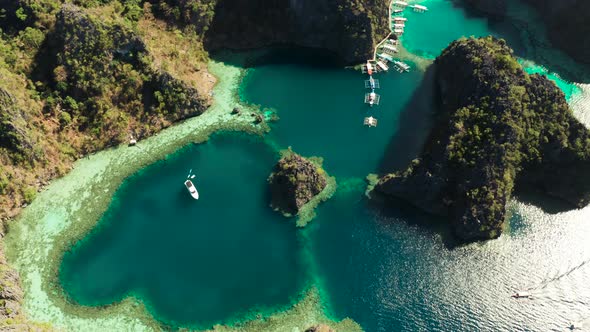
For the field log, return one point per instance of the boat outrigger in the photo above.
(372, 83)
(190, 186)
(372, 98)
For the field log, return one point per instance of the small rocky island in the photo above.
(497, 127)
(298, 185)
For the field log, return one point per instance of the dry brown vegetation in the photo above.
(52, 126)
(179, 53)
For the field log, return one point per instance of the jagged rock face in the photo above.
(91, 57)
(349, 28)
(10, 292)
(496, 125)
(294, 182)
(14, 131)
(86, 49)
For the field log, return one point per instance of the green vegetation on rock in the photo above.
(497, 127)
(76, 77)
(298, 185)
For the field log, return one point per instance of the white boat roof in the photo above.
(385, 57)
(402, 64)
(390, 47)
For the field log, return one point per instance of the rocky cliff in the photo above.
(74, 80)
(15, 133)
(566, 21)
(90, 58)
(496, 125)
(294, 182)
(349, 28)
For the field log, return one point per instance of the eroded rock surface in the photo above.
(496, 125)
(294, 182)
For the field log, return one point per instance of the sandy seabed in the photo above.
(71, 206)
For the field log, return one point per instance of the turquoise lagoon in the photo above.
(228, 255)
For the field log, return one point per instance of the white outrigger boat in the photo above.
(372, 98)
(190, 186)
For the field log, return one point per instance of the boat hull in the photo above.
(191, 189)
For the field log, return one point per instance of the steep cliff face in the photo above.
(566, 20)
(75, 80)
(497, 125)
(348, 28)
(294, 182)
(91, 57)
(15, 134)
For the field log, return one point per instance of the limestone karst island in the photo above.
(294, 165)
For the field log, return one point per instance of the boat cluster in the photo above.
(385, 52)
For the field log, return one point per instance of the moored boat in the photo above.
(191, 189)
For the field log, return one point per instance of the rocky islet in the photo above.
(496, 125)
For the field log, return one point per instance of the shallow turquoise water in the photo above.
(199, 262)
(427, 34)
(391, 269)
(568, 88)
(321, 110)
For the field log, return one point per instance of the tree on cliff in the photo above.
(497, 125)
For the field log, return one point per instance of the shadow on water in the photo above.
(415, 123)
(398, 210)
(277, 55)
(528, 38)
(529, 195)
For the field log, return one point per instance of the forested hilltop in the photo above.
(78, 79)
(496, 125)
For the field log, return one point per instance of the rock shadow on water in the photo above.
(397, 210)
(279, 55)
(415, 123)
(529, 40)
(529, 195)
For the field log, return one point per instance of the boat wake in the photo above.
(551, 280)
